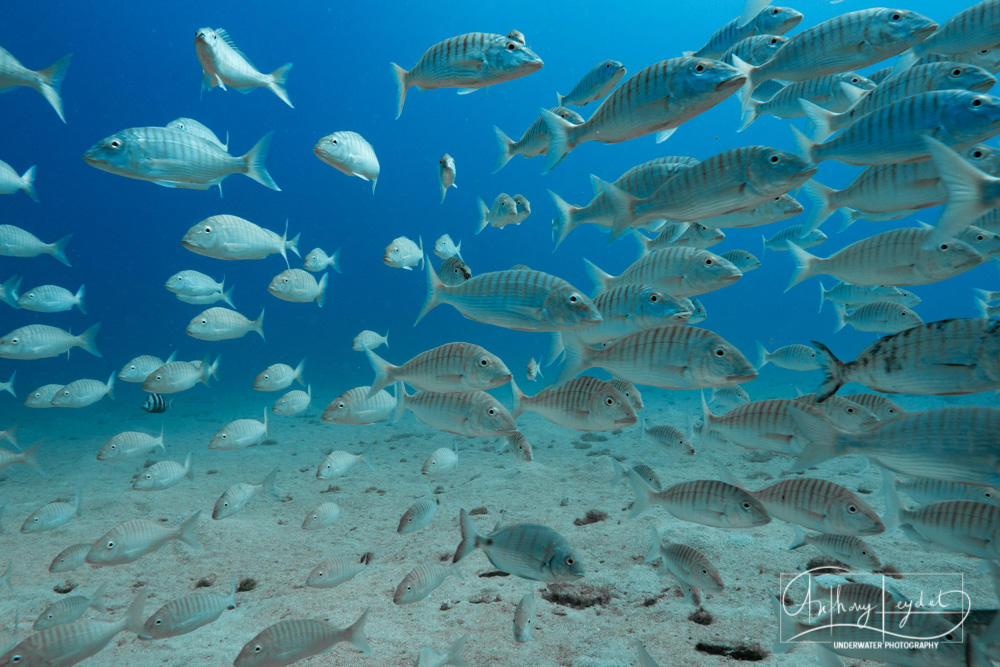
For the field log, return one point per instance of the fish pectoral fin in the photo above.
(235, 247)
(219, 83)
(466, 91)
(777, 437)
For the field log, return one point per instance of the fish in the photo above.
(10, 435)
(69, 609)
(846, 414)
(583, 403)
(353, 407)
(176, 376)
(521, 300)
(453, 656)
(81, 393)
(238, 495)
(453, 271)
(11, 182)
(765, 21)
(925, 491)
(877, 317)
(503, 212)
(676, 271)
(322, 516)
(535, 140)
(534, 370)
(417, 516)
(224, 324)
(293, 403)
(421, 582)
(524, 614)
(643, 656)
(848, 549)
(754, 50)
(630, 391)
(643, 470)
(188, 613)
(691, 568)
(164, 474)
(339, 463)
(726, 398)
(239, 434)
(685, 234)
(971, 29)
(647, 102)
(472, 414)
(519, 446)
(952, 444)
(706, 502)
(880, 406)
(773, 425)
(666, 357)
(848, 294)
(441, 460)
(350, 153)
(317, 260)
(298, 286)
(230, 237)
(134, 539)
(223, 64)
(334, 571)
(595, 84)
(155, 404)
(369, 339)
(453, 367)
(42, 397)
(444, 247)
(446, 174)
(47, 81)
(129, 445)
(834, 92)
(193, 283)
(833, 46)
(523, 209)
(52, 516)
(671, 437)
(8, 291)
(403, 253)
(191, 126)
(295, 639)
(17, 242)
(470, 61)
(947, 357)
(175, 158)
(69, 558)
(279, 376)
(74, 642)
(138, 368)
(800, 235)
(527, 550)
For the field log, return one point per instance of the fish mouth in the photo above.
(734, 82)
(628, 421)
(502, 380)
(806, 174)
(740, 379)
(728, 280)
(926, 31)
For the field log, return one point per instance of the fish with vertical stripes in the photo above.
(705, 502)
(583, 403)
(473, 414)
(828, 91)
(595, 84)
(768, 21)
(451, 367)
(295, 639)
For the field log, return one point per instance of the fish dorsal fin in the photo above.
(224, 36)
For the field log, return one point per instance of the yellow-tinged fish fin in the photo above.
(49, 82)
(505, 147)
(805, 264)
(969, 191)
(399, 74)
(277, 83)
(821, 197)
(559, 141)
(254, 160)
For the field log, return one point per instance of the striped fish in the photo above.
(223, 64)
(666, 357)
(51, 516)
(176, 159)
(188, 613)
(523, 616)
(521, 300)
(630, 391)
(239, 434)
(451, 367)
(731, 180)
(677, 271)
(744, 260)
(70, 558)
(671, 437)
(755, 50)
(134, 539)
(295, 639)
(421, 582)
(454, 271)
(845, 413)
(683, 234)
(845, 42)
(773, 425)
(139, 368)
(470, 61)
(279, 376)
(17, 242)
(800, 235)
(827, 91)
(820, 505)
(846, 293)
(988, 59)
(191, 126)
(595, 84)
(706, 502)
(691, 568)
(129, 445)
(795, 357)
(352, 407)
(70, 608)
(293, 403)
(47, 81)
(534, 141)
(472, 414)
(926, 491)
(768, 21)
(236, 497)
(322, 516)
(880, 406)
(231, 237)
(971, 29)
(942, 358)
(224, 324)
(726, 398)
(349, 153)
(877, 317)
(334, 571)
(897, 257)
(519, 447)
(164, 474)
(583, 403)
(956, 444)
(176, 376)
(913, 81)
(298, 286)
(501, 213)
(657, 99)
(417, 516)
(847, 549)
(39, 341)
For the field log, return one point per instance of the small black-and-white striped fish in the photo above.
(156, 404)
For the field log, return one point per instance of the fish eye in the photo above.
(492, 411)
(110, 544)
(855, 79)
(719, 352)
(978, 153)
(852, 509)
(944, 247)
(132, 367)
(609, 401)
(709, 261)
(773, 40)
(850, 410)
(979, 237)
(704, 571)
(204, 321)
(341, 405)
(987, 494)
(976, 102)
(115, 143)
(654, 298)
(774, 159)
(15, 658)
(864, 553)
(892, 411)
(114, 446)
(14, 341)
(223, 436)
(35, 519)
(159, 377)
(484, 362)
(950, 636)
(258, 648)
(775, 11)
(746, 505)
(511, 46)
(896, 16)
(983, 52)
(409, 588)
(957, 71)
(700, 67)
(573, 298)
(208, 229)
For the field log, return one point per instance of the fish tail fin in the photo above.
(28, 183)
(110, 385)
(401, 396)
(186, 532)
(424, 259)
(58, 249)
(50, 80)
(321, 297)
(620, 475)
(434, 286)
(9, 290)
(822, 296)
(270, 488)
(505, 151)
(822, 119)
(470, 537)
(382, 370)
(969, 190)
(850, 216)
(96, 601)
(654, 549)
(577, 358)
(598, 276)
(10, 384)
(822, 441)
(254, 162)
(834, 372)
(454, 654)
(805, 265)
(385, 339)
(565, 222)
(87, 342)
(298, 372)
(132, 620)
(484, 215)
(365, 456)
(559, 99)
(763, 356)
(751, 112)
(228, 297)
(29, 457)
(893, 506)
(749, 85)
(518, 397)
(559, 140)
(78, 299)
(335, 260)
(803, 144)
(210, 370)
(355, 634)
(821, 197)
(555, 348)
(982, 308)
(799, 540)
(258, 324)
(399, 74)
(841, 311)
(621, 204)
(642, 490)
(277, 83)
(293, 245)
(11, 434)
(159, 441)
(644, 242)
(188, 467)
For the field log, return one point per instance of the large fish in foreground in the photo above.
(176, 159)
(469, 62)
(46, 81)
(38, 341)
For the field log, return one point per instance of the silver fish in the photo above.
(766, 21)
(417, 516)
(446, 174)
(846, 548)
(473, 414)
(691, 568)
(349, 153)
(501, 213)
(11, 182)
(223, 64)
(925, 491)
(136, 538)
(163, 475)
(335, 571)
(453, 367)
(188, 613)
(81, 393)
(519, 447)
(239, 434)
(138, 368)
(17, 242)
(729, 397)
(317, 260)
(237, 496)
(293, 403)
(352, 407)
(176, 376)
(403, 253)
(671, 437)
(279, 376)
(441, 460)
(339, 463)
(534, 141)
(47, 81)
(421, 582)
(846, 293)
(298, 286)
(595, 84)
(676, 271)
(369, 339)
(800, 235)
(583, 403)
(533, 371)
(322, 516)
(877, 317)
(70, 558)
(706, 502)
(231, 237)
(70, 609)
(193, 283)
(453, 271)
(28, 457)
(880, 406)
(191, 126)
(39, 341)
(828, 91)
(524, 614)
(295, 639)
(224, 324)
(444, 247)
(52, 516)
